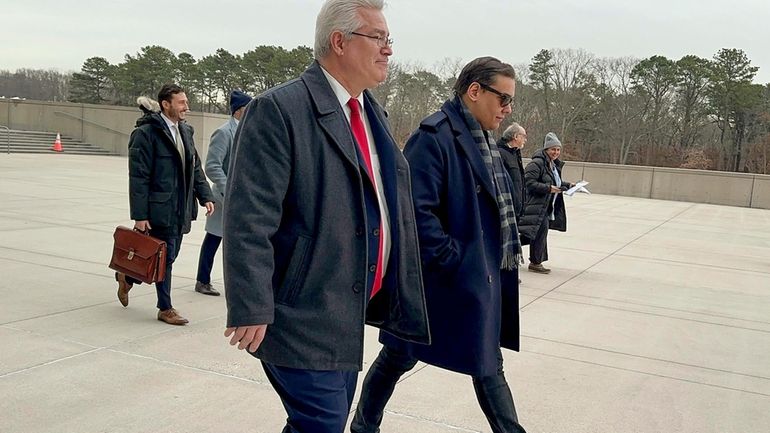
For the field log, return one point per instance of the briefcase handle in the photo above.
(144, 232)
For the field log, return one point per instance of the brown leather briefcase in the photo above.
(138, 255)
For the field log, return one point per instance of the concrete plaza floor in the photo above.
(656, 318)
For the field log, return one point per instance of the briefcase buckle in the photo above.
(130, 255)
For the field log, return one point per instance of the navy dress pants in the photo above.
(206, 258)
(173, 239)
(315, 401)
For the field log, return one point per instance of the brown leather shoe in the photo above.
(538, 268)
(205, 289)
(171, 317)
(123, 288)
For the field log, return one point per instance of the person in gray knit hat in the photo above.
(551, 140)
(544, 208)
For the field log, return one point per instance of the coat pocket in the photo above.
(162, 210)
(160, 196)
(295, 272)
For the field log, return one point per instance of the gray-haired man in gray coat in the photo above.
(319, 230)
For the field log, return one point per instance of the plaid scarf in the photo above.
(509, 233)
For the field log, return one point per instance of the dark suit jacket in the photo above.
(515, 168)
(159, 189)
(472, 313)
(295, 231)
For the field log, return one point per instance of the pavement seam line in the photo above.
(640, 304)
(649, 358)
(430, 421)
(608, 256)
(189, 367)
(647, 313)
(45, 364)
(709, 266)
(646, 373)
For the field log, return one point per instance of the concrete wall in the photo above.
(699, 186)
(108, 127)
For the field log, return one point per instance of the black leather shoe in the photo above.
(205, 289)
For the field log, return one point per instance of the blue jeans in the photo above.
(492, 393)
(173, 239)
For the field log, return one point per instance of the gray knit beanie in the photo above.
(551, 140)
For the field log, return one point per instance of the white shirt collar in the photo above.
(169, 123)
(341, 93)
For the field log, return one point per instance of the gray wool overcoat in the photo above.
(295, 239)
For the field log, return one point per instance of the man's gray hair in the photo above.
(510, 132)
(339, 15)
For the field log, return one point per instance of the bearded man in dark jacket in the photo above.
(165, 176)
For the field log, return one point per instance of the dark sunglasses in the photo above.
(505, 99)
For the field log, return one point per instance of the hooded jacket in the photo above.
(540, 202)
(160, 190)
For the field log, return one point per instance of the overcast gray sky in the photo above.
(62, 34)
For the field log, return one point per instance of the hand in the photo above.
(555, 190)
(247, 337)
(142, 226)
(209, 208)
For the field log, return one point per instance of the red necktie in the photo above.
(359, 132)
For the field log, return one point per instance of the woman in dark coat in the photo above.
(544, 208)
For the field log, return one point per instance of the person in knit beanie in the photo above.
(551, 140)
(544, 209)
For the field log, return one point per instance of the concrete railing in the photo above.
(105, 126)
(699, 186)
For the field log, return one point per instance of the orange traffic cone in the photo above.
(57, 144)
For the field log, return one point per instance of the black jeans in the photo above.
(206, 259)
(492, 392)
(173, 239)
(538, 248)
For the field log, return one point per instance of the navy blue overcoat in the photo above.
(471, 313)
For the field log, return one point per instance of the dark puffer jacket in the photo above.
(538, 180)
(160, 191)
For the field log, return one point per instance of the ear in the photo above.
(473, 91)
(337, 39)
(165, 105)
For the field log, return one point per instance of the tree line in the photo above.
(692, 112)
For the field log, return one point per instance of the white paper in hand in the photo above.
(578, 187)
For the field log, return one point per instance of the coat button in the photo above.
(372, 268)
(376, 232)
(489, 279)
(359, 231)
(478, 189)
(357, 287)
